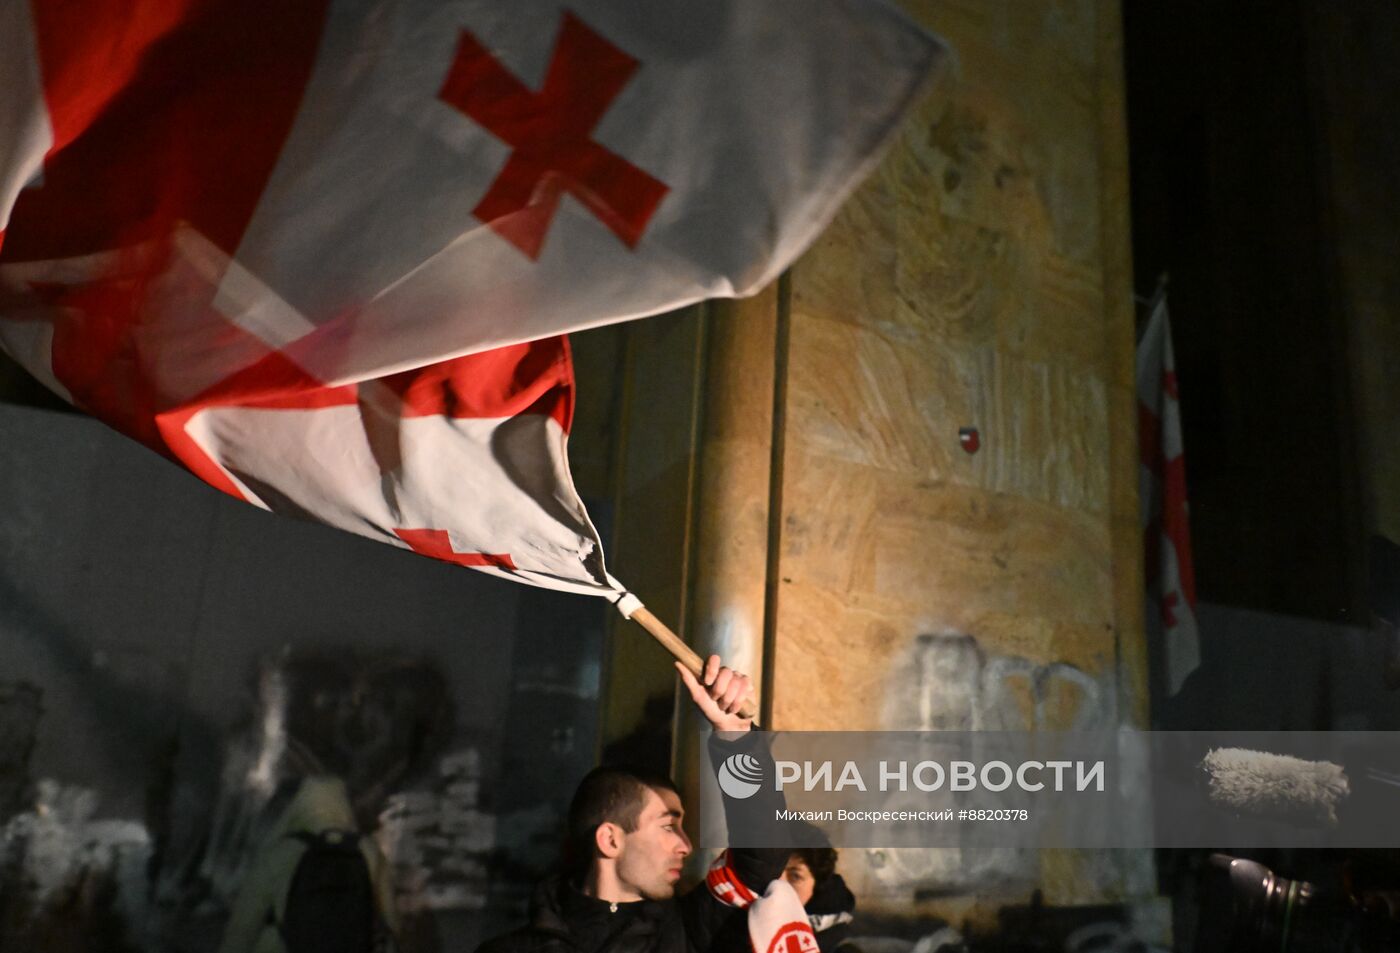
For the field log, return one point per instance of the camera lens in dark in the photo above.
(1246, 908)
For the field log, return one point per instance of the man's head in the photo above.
(625, 834)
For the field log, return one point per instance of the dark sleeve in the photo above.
(713, 926)
(750, 822)
(830, 939)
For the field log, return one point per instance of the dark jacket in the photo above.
(830, 911)
(693, 923)
(649, 926)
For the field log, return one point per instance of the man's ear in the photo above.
(608, 839)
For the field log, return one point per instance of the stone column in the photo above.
(979, 280)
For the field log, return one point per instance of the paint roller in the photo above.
(1280, 786)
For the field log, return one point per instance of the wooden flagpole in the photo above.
(632, 608)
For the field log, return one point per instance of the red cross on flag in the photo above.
(778, 923)
(1171, 579)
(322, 253)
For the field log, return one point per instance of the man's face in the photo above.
(649, 863)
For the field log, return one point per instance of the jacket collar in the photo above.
(547, 908)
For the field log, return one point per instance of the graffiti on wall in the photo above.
(66, 875)
(951, 682)
(71, 875)
(375, 721)
(439, 839)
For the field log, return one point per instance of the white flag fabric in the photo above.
(321, 253)
(777, 921)
(1171, 581)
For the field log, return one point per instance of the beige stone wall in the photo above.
(970, 283)
(981, 278)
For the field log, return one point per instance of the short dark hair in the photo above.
(821, 861)
(613, 795)
(820, 858)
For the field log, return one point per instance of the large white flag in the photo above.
(320, 253)
(1171, 581)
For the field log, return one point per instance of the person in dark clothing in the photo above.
(626, 847)
(829, 903)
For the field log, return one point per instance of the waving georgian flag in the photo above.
(321, 253)
(1171, 580)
